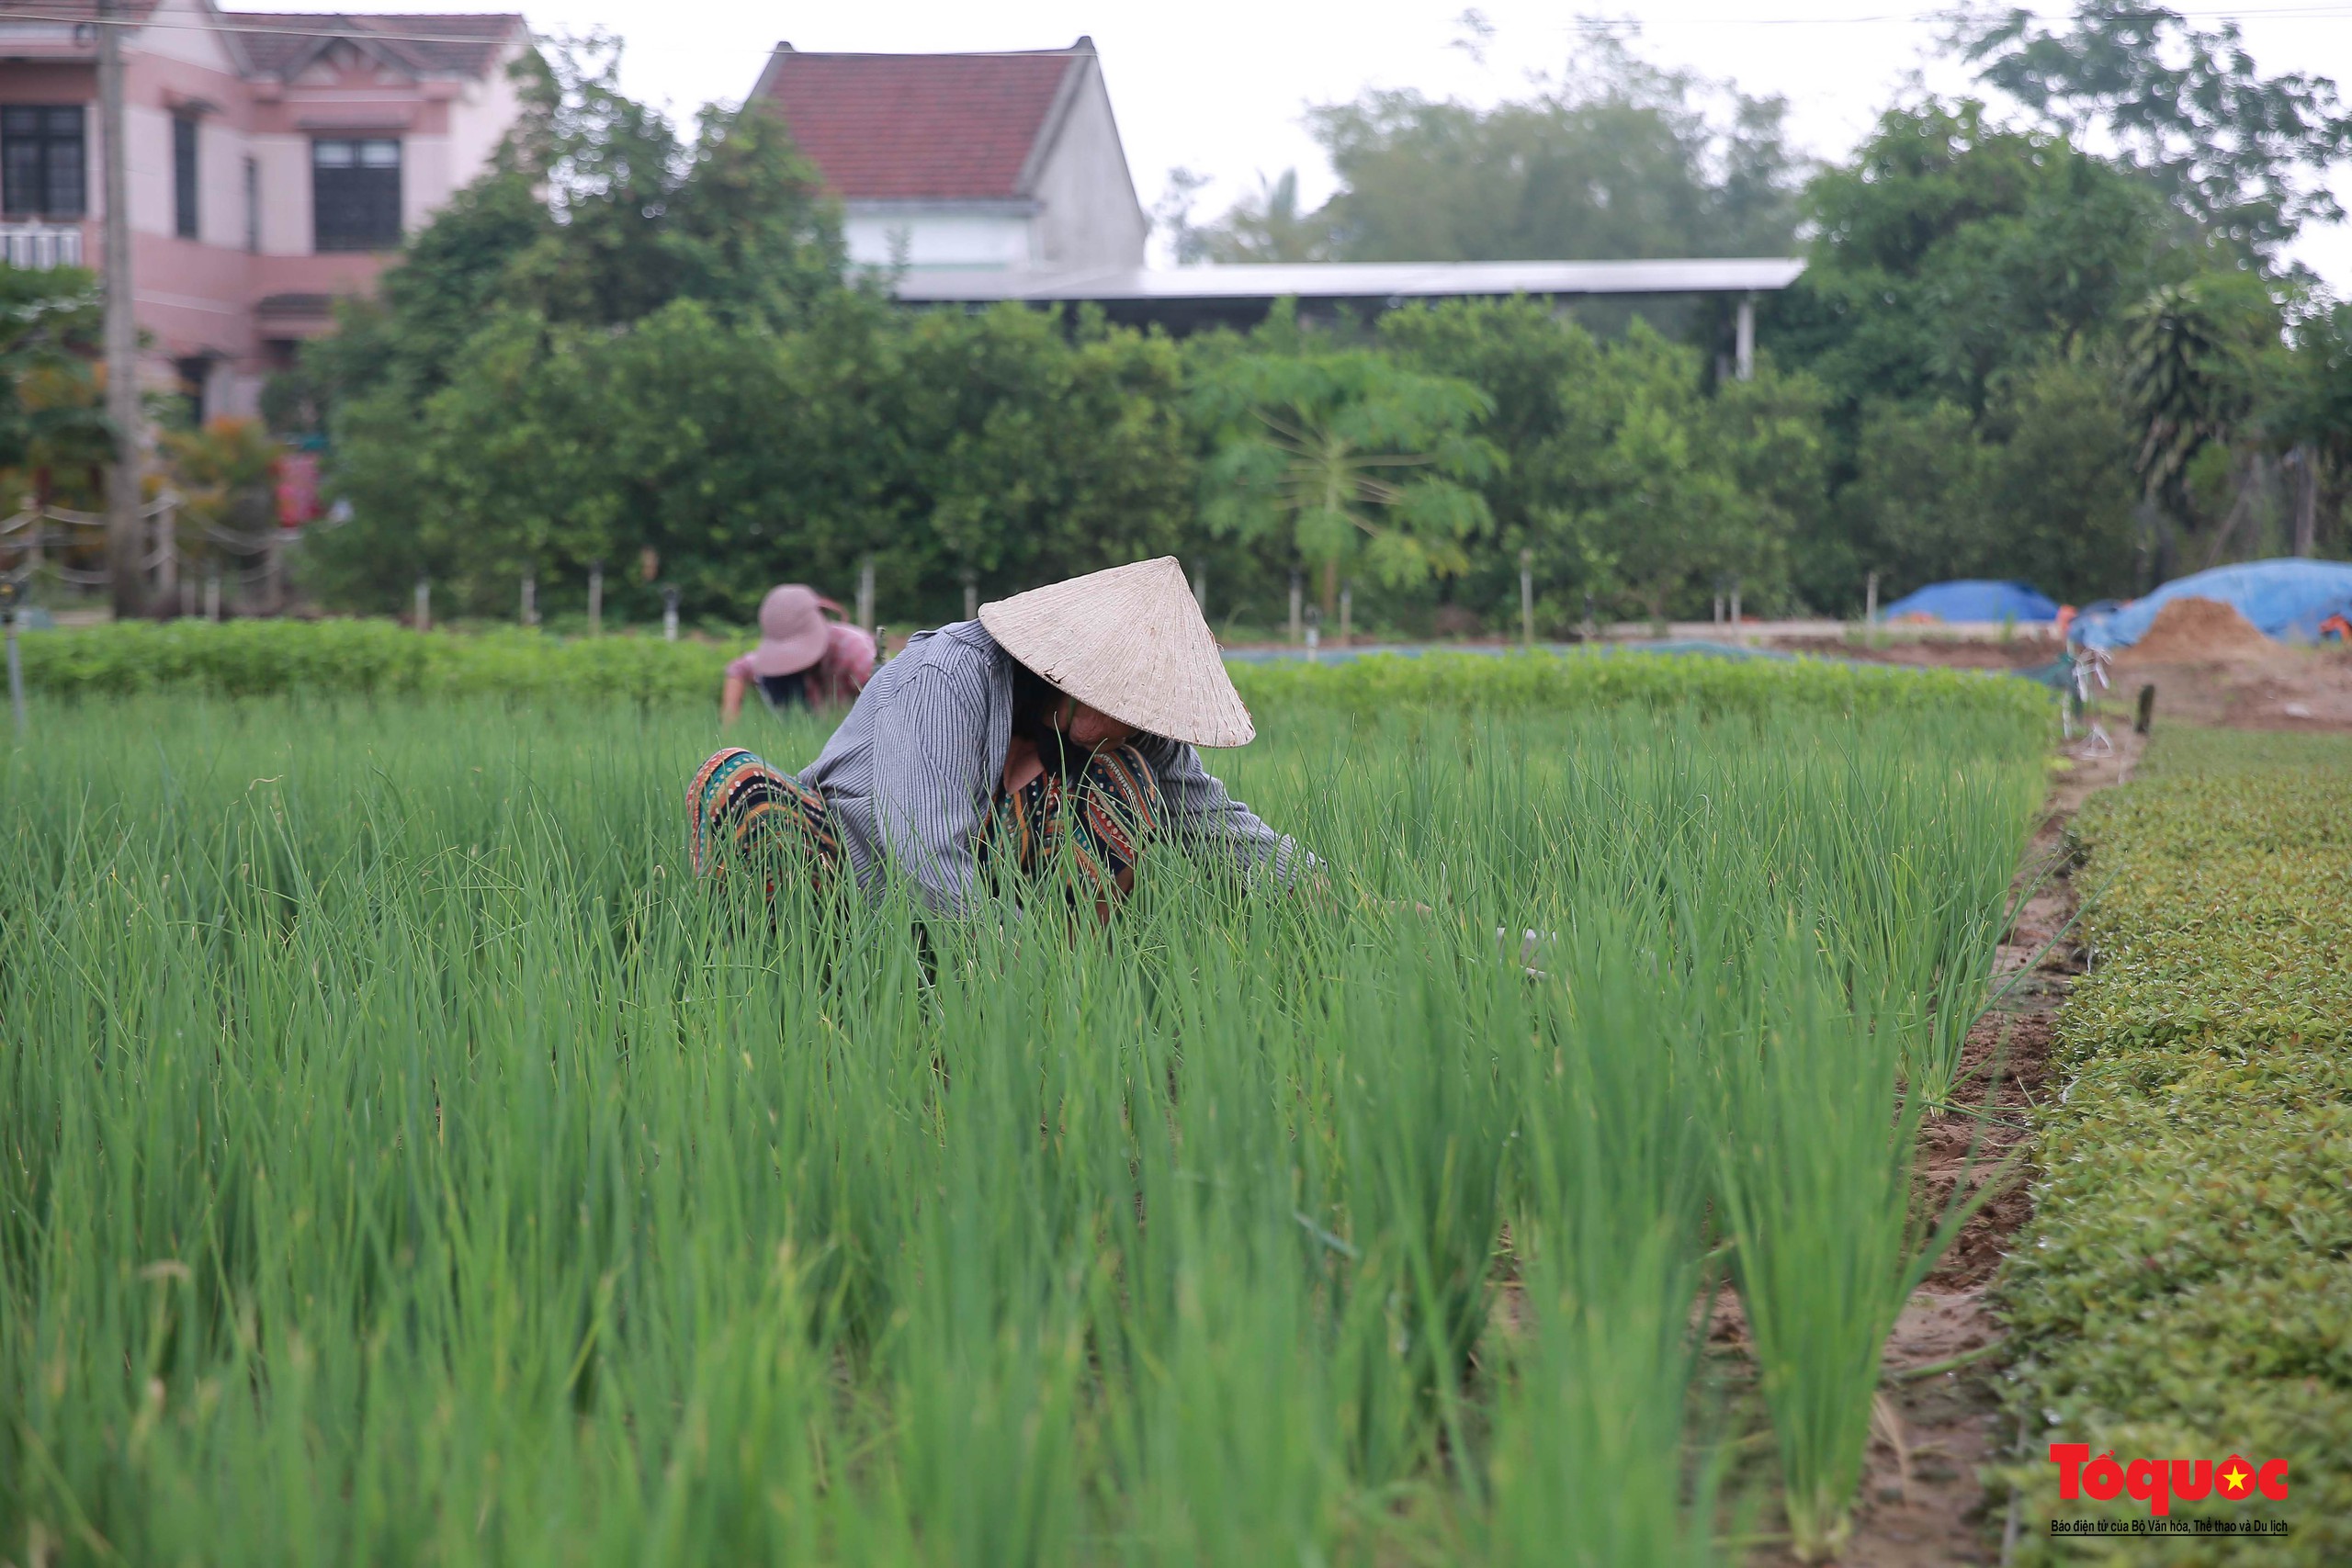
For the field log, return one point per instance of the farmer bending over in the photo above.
(1065, 717)
(803, 659)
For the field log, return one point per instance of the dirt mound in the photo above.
(2188, 631)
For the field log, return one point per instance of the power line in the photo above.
(2329, 10)
(353, 34)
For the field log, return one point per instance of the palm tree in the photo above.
(2185, 384)
(1352, 458)
(1269, 227)
(1330, 485)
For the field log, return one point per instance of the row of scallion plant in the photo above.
(403, 1160)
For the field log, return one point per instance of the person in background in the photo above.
(1062, 722)
(803, 659)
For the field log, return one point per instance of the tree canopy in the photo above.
(2031, 342)
(2243, 154)
(1346, 456)
(1619, 159)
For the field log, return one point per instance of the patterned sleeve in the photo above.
(1208, 820)
(738, 668)
(929, 782)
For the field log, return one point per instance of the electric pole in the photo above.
(123, 552)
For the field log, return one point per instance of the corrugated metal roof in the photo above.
(1357, 280)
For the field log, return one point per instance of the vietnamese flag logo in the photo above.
(2156, 1482)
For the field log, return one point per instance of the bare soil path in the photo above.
(1924, 1501)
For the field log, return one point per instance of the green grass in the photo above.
(359, 658)
(2186, 1287)
(400, 1160)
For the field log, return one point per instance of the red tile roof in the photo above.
(910, 126)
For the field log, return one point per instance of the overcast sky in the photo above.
(1218, 85)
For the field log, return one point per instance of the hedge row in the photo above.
(1521, 683)
(373, 658)
(2185, 1290)
(339, 657)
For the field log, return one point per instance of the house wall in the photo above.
(198, 299)
(1088, 213)
(285, 178)
(940, 236)
(479, 116)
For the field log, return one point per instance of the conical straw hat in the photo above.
(1131, 643)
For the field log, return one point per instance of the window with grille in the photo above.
(184, 178)
(40, 162)
(355, 193)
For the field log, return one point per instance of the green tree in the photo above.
(1543, 373)
(594, 212)
(1629, 473)
(2307, 412)
(1032, 451)
(1349, 459)
(225, 475)
(1954, 259)
(1952, 248)
(2243, 154)
(1000, 447)
(2188, 381)
(2058, 491)
(1266, 226)
(2039, 488)
(1617, 160)
(1689, 492)
(1915, 505)
(51, 412)
(483, 403)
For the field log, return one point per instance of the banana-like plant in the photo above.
(1349, 459)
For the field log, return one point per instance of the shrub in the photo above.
(377, 658)
(2184, 1288)
(1516, 682)
(242, 658)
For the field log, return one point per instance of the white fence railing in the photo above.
(37, 247)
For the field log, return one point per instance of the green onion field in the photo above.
(403, 1160)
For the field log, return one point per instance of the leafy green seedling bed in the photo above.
(2185, 1290)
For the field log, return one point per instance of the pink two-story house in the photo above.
(275, 160)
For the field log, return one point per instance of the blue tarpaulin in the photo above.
(1975, 599)
(2286, 598)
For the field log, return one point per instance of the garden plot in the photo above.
(2183, 1289)
(405, 1160)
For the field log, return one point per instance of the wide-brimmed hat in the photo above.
(792, 631)
(1129, 642)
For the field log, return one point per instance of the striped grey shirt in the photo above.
(911, 773)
